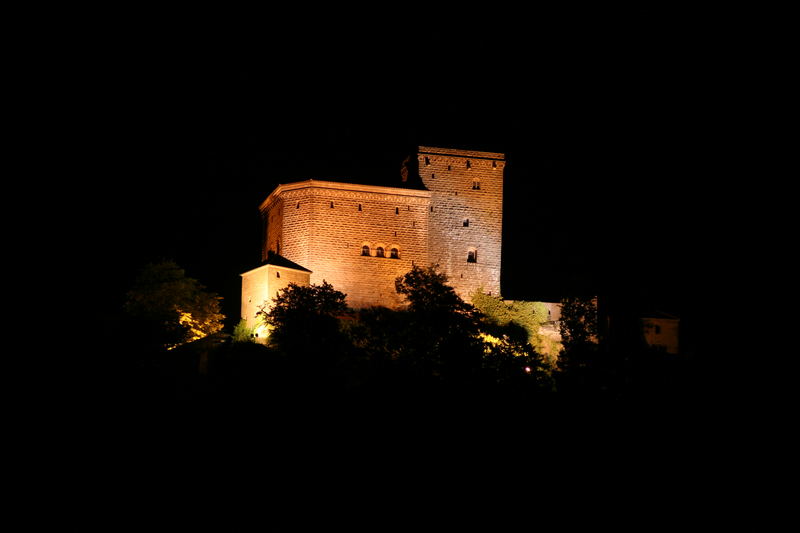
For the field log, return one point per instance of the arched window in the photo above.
(472, 256)
(365, 250)
(394, 253)
(379, 252)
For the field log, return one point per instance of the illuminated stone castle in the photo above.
(359, 238)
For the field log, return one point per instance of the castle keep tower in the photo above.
(465, 225)
(360, 238)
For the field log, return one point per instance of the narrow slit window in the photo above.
(298, 205)
(331, 205)
(277, 274)
(469, 164)
(396, 210)
(427, 161)
(359, 207)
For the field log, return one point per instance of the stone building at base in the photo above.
(446, 210)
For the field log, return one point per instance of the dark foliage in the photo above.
(439, 350)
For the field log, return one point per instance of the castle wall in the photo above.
(465, 215)
(324, 226)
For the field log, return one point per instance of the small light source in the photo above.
(527, 370)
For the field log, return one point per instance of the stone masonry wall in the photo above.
(324, 226)
(465, 215)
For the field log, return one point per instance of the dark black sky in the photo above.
(606, 135)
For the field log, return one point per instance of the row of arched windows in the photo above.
(394, 253)
(380, 251)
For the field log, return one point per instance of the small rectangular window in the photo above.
(396, 210)
(466, 222)
(331, 205)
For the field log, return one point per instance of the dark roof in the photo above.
(278, 260)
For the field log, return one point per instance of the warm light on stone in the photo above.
(335, 231)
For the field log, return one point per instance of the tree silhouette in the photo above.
(305, 327)
(167, 309)
(444, 338)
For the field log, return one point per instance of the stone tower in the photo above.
(465, 224)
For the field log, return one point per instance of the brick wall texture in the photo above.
(338, 230)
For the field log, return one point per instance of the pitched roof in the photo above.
(278, 260)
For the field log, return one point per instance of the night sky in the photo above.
(606, 139)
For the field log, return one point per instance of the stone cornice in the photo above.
(474, 154)
(345, 190)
